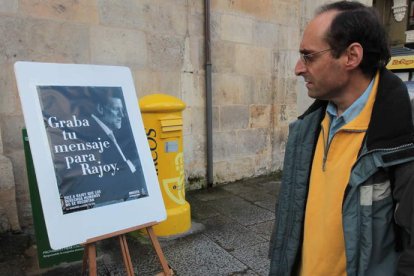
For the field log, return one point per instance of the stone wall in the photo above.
(254, 50)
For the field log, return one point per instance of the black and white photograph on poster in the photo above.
(96, 160)
(92, 161)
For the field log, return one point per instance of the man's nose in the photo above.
(300, 67)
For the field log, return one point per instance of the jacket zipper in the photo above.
(369, 152)
(326, 144)
(383, 149)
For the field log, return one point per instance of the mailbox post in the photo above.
(162, 116)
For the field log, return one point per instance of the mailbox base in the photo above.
(178, 221)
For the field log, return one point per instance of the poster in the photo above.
(95, 158)
(91, 156)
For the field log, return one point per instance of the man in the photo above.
(110, 113)
(346, 205)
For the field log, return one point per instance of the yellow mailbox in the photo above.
(162, 116)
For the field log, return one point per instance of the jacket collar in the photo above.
(391, 122)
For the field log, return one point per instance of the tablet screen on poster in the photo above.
(93, 165)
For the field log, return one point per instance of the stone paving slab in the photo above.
(216, 193)
(267, 203)
(263, 229)
(229, 234)
(242, 211)
(255, 257)
(199, 255)
(201, 209)
(250, 192)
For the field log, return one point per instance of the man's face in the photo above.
(324, 75)
(112, 113)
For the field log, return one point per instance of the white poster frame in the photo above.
(77, 227)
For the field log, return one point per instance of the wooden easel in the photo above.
(89, 256)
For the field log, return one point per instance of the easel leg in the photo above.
(85, 259)
(89, 256)
(126, 256)
(158, 250)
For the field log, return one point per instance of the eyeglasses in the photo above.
(308, 58)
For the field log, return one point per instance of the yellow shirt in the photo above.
(324, 246)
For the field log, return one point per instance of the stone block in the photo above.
(234, 117)
(265, 34)
(194, 157)
(216, 118)
(225, 145)
(196, 6)
(263, 91)
(169, 83)
(148, 15)
(197, 53)
(22, 188)
(10, 103)
(260, 116)
(196, 24)
(144, 82)
(9, 6)
(196, 119)
(285, 114)
(119, 47)
(304, 101)
(231, 89)
(1, 143)
(286, 90)
(40, 40)
(195, 147)
(223, 57)
(260, 9)
(253, 141)
(11, 128)
(232, 169)
(253, 61)
(263, 162)
(236, 29)
(286, 13)
(84, 11)
(170, 19)
(284, 63)
(149, 82)
(279, 140)
(288, 38)
(198, 95)
(9, 215)
(165, 53)
(126, 14)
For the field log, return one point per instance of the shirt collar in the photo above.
(351, 112)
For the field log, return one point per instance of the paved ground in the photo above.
(231, 231)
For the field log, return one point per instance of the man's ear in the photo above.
(99, 108)
(354, 54)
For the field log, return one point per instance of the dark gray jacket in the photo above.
(378, 206)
